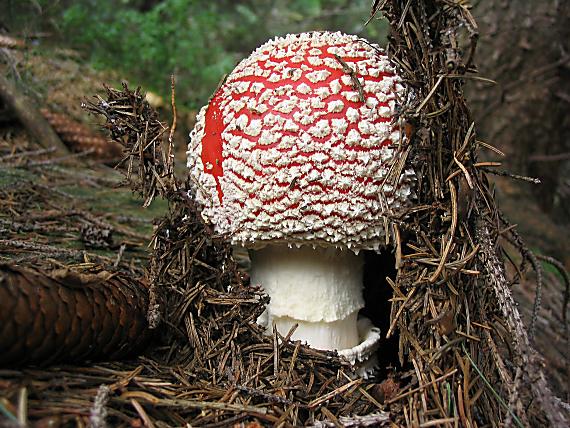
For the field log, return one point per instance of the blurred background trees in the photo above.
(198, 40)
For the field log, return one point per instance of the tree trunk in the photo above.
(524, 47)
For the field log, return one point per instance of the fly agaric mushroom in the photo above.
(289, 158)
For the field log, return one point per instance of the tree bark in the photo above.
(524, 47)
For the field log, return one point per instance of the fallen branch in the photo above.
(556, 413)
(31, 118)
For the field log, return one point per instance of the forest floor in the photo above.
(65, 200)
(60, 201)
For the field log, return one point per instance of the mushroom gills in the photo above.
(320, 289)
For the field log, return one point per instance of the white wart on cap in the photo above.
(293, 150)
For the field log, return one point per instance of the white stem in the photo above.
(320, 289)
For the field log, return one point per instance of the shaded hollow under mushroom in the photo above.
(290, 159)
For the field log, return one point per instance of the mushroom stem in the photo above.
(320, 289)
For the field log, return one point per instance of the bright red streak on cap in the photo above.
(212, 142)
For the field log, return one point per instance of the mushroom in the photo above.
(289, 159)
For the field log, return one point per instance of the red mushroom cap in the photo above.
(295, 145)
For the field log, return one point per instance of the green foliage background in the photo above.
(198, 40)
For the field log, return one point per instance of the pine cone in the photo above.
(66, 316)
(79, 137)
